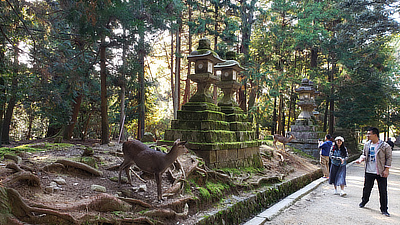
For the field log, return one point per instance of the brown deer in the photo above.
(283, 140)
(149, 160)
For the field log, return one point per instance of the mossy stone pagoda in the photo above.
(220, 134)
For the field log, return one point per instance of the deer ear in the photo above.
(183, 142)
(177, 141)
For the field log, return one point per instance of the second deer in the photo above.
(283, 140)
(149, 160)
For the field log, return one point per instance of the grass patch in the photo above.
(239, 171)
(204, 193)
(217, 189)
(35, 148)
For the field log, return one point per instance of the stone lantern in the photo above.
(306, 101)
(304, 129)
(229, 71)
(204, 59)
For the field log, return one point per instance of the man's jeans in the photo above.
(382, 187)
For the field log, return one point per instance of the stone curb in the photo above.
(276, 209)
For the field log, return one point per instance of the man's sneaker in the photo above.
(386, 214)
(361, 205)
(342, 194)
(335, 192)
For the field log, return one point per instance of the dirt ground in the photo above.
(70, 197)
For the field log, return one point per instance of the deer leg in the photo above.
(158, 181)
(129, 175)
(122, 167)
(137, 175)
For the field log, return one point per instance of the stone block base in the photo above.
(241, 157)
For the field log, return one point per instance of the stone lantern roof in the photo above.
(229, 64)
(204, 52)
(306, 86)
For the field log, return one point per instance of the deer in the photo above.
(283, 140)
(149, 160)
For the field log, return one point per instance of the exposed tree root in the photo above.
(14, 167)
(15, 210)
(140, 220)
(136, 202)
(103, 203)
(167, 213)
(31, 179)
(264, 180)
(79, 165)
(179, 204)
(54, 167)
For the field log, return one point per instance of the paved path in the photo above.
(316, 204)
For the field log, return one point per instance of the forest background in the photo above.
(86, 69)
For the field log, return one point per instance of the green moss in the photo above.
(204, 193)
(217, 189)
(35, 148)
(87, 160)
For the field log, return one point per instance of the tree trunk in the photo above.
(280, 115)
(242, 96)
(172, 74)
(186, 95)
(273, 130)
(122, 85)
(86, 126)
(2, 105)
(331, 101)
(177, 91)
(103, 106)
(247, 19)
(326, 114)
(141, 119)
(13, 100)
(215, 88)
(31, 117)
(75, 112)
(290, 108)
(252, 94)
(2, 88)
(314, 58)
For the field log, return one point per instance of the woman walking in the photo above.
(338, 156)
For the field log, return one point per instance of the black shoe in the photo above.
(361, 205)
(386, 214)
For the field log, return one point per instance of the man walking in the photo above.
(377, 155)
(324, 154)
